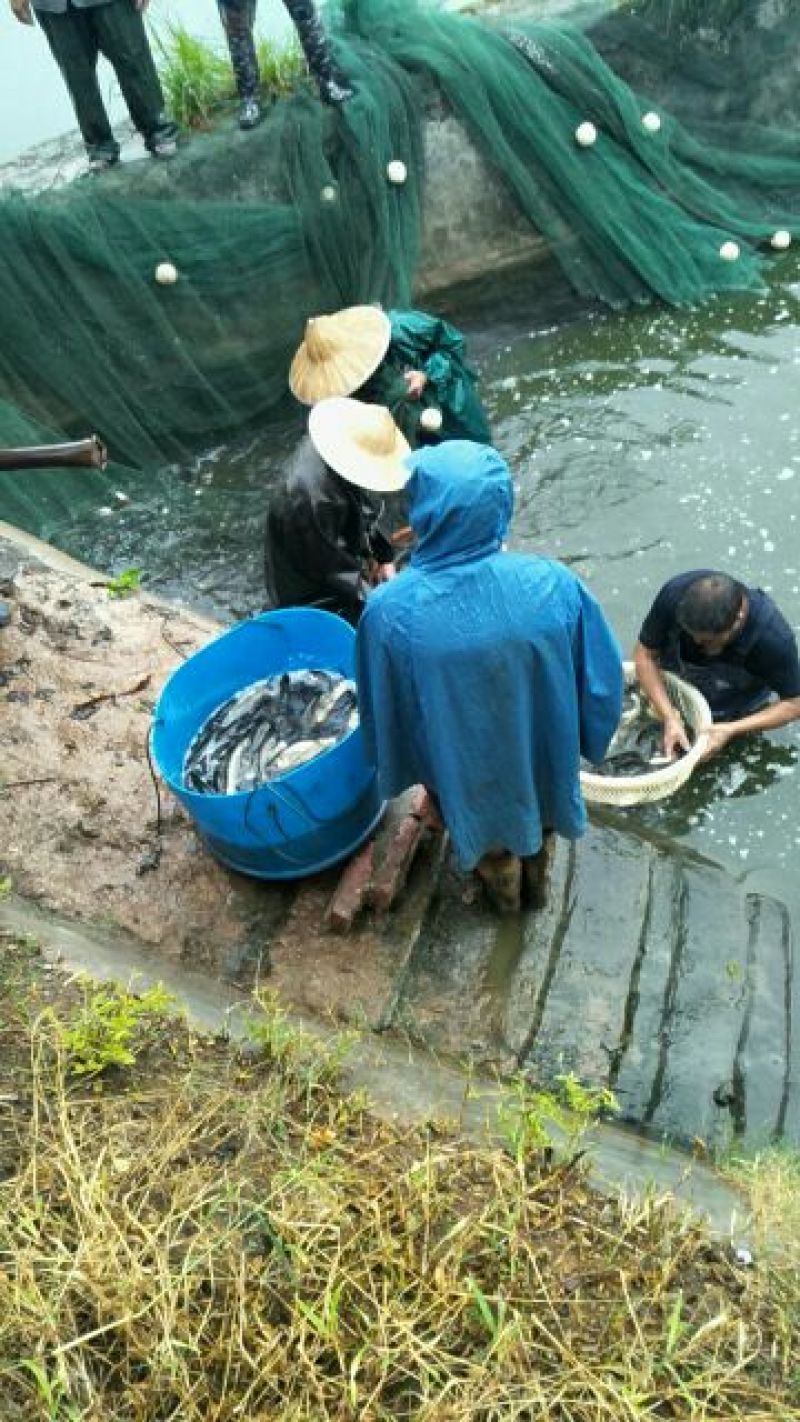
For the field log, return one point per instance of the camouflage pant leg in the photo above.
(238, 18)
(314, 41)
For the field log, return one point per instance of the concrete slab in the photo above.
(656, 976)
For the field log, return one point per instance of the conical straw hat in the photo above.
(360, 442)
(339, 353)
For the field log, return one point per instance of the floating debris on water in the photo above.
(637, 744)
(268, 729)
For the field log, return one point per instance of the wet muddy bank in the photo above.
(79, 674)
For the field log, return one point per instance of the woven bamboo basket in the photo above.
(657, 784)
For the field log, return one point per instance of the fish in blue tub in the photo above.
(268, 729)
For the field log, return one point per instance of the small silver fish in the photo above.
(328, 703)
(234, 767)
(269, 728)
(297, 754)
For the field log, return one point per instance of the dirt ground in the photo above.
(79, 674)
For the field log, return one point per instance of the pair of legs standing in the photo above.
(238, 19)
(511, 883)
(77, 37)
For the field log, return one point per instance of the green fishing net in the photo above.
(90, 340)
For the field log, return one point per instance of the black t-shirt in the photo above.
(761, 658)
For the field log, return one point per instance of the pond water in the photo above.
(33, 102)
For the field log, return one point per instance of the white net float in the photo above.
(431, 420)
(622, 790)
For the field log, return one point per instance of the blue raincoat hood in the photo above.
(460, 501)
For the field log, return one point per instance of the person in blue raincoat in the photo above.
(485, 675)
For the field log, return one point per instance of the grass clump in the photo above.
(229, 1236)
(282, 67)
(110, 1026)
(770, 1179)
(127, 582)
(197, 78)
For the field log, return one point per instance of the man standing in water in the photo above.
(733, 644)
(485, 676)
(238, 19)
(78, 32)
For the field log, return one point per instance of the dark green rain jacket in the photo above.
(433, 346)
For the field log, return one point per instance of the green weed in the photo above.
(50, 1393)
(197, 78)
(127, 582)
(530, 1120)
(585, 1102)
(110, 1027)
(282, 67)
(274, 1037)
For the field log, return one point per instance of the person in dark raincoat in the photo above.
(485, 675)
(324, 544)
(413, 363)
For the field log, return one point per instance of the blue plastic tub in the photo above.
(305, 820)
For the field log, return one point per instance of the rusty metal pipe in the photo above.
(88, 453)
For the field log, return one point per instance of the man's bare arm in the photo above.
(21, 10)
(650, 679)
(780, 713)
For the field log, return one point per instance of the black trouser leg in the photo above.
(71, 37)
(122, 38)
(238, 18)
(316, 48)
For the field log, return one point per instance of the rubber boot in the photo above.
(501, 876)
(331, 83)
(536, 873)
